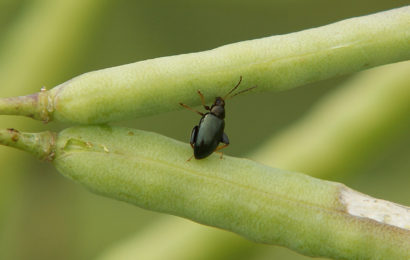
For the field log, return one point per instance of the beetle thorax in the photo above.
(218, 108)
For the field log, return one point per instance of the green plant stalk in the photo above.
(41, 145)
(266, 205)
(344, 125)
(273, 64)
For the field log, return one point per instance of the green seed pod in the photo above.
(273, 63)
(266, 205)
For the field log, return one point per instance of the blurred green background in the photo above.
(44, 43)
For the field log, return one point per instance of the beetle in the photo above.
(206, 136)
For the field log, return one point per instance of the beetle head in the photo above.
(219, 102)
(218, 108)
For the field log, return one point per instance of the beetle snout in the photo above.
(219, 102)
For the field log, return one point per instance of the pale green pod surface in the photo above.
(272, 64)
(362, 116)
(266, 205)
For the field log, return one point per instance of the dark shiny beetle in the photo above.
(207, 135)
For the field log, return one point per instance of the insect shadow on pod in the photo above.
(206, 136)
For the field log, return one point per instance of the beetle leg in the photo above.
(225, 141)
(193, 136)
(203, 100)
(193, 110)
(221, 153)
(220, 148)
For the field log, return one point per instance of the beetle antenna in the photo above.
(243, 91)
(232, 90)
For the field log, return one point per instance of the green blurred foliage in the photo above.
(48, 217)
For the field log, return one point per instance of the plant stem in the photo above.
(41, 145)
(34, 106)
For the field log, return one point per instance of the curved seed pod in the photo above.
(266, 205)
(273, 63)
